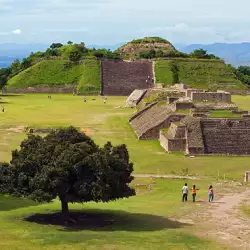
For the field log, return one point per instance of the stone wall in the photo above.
(138, 113)
(121, 78)
(226, 136)
(183, 105)
(211, 96)
(172, 145)
(195, 144)
(46, 89)
(135, 98)
(154, 132)
(190, 91)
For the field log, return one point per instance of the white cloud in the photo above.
(17, 32)
(180, 21)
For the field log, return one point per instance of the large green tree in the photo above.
(69, 165)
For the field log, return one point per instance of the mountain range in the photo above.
(233, 53)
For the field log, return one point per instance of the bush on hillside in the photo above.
(67, 164)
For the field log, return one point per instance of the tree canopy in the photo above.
(67, 164)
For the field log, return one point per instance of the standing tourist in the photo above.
(210, 194)
(185, 192)
(194, 190)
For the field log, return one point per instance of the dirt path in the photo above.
(223, 221)
(158, 176)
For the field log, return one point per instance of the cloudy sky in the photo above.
(108, 22)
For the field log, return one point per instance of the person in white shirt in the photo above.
(185, 192)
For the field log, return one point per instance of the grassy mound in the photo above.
(198, 73)
(57, 73)
(137, 47)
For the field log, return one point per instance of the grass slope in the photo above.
(108, 123)
(198, 73)
(55, 73)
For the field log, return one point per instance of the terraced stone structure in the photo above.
(148, 122)
(183, 125)
(208, 136)
(121, 78)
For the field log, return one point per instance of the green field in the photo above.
(56, 73)
(198, 73)
(141, 222)
(108, 122)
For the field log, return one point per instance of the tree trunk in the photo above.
(65, 207)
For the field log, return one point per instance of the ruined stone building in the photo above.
(183, 124)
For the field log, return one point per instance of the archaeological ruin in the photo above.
(185, 123)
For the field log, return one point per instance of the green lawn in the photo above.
(108, 122)
(141, 222)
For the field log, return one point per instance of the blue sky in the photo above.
(108, 22)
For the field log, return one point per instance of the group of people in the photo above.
(185, 192)
(49, 97)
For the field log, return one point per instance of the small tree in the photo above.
(175, 72)
(75, 56)
(69, 165)
(199, 53)
(4, 76)
(15, 67)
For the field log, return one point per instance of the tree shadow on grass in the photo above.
(106, 220)
(8, 203)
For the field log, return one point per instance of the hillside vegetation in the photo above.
(55, 73)
(148, 47)
(75, 64)
(199, 73)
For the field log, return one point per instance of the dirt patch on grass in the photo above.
(222, 220)
(17, 129)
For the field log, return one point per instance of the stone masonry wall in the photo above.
(172, 145)
(211, 96)
(121, 78)
(154, 133)
(226, 136)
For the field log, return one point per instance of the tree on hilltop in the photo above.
(56, 45)
(69, 165)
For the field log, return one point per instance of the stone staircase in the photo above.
(121, 78)
(226, 136)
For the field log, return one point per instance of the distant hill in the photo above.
(235, 53)
(56, 68)
(11, 51)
